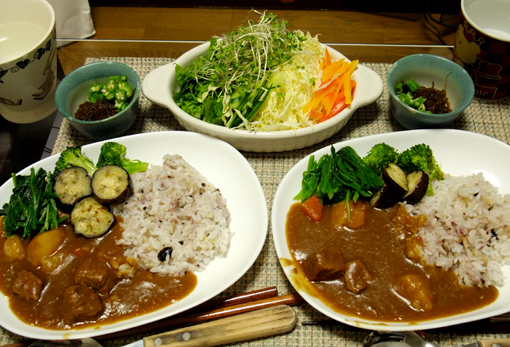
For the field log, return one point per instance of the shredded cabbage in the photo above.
(300, 77)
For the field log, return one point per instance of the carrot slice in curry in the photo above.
(312, 207)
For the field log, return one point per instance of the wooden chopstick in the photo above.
(502, 318)
(20, 344)
(258, 294)
(200, 317)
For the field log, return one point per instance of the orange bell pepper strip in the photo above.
(336, 90)
(329, 99)
(312, 207)
(318, 97)
(316, 114)
(337, 107)
(347, 81)
(339, 91)
(338, 67)
(326, 60)
(339, 104)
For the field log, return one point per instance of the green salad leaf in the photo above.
(229, 84)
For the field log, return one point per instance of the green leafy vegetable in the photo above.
(229, 84)
(31, 208)
(72, 156)
(341, 175)
(113, 153)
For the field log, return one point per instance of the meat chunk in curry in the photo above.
(81, 303)
(325, 265)
(27, 285)
(96, 275)
(356, 276)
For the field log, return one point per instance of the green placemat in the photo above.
(492, 119)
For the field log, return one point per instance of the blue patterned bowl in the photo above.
(428, 70)
(73, 91)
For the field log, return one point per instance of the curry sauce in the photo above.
(399, 288)
(124, 291)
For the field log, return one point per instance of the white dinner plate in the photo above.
(226, 169)
(459, 153)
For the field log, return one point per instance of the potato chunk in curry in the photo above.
(414, 289)
(353, 219)
(44, 245)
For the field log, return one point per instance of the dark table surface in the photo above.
(22, 145)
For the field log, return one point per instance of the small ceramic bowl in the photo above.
(430, 70)
(74, 89)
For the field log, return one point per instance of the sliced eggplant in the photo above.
(396, 179)
(90, 218)
(417, 182)
(395, 186)
(111, 184)
(384, 197)
(71, 184)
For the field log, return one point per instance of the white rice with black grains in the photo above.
(174, 206)
(467, 229)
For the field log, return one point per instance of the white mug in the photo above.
(28, 60)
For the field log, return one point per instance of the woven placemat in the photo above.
(492, 119)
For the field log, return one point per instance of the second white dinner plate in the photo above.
(459, 153)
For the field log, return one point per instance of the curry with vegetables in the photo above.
(60, 264)
(355, 246)
(61, 280)
(367, 266)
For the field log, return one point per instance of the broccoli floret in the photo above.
(420, 157)
(379, 156)
(113, 153)
(72, 156)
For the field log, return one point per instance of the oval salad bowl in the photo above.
(160, 85)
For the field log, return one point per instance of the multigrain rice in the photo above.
(467, 229)
(173, 205)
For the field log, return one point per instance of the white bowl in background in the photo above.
(160, 85)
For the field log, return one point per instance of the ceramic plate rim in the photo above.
(250, 233)
(457, 140)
